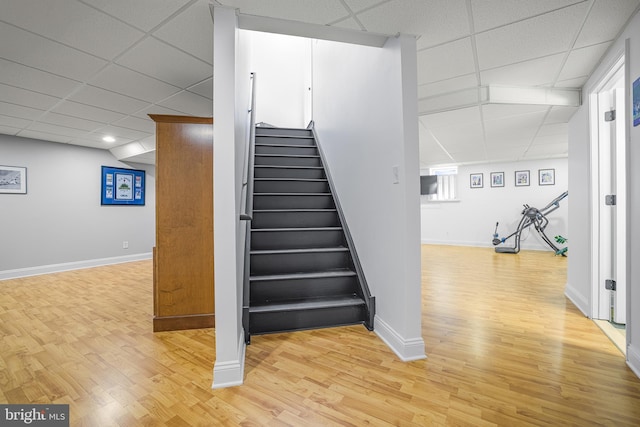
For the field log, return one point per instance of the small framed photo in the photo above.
(497, 179)
(476, 180)
(13, 180)
(546, 176)
(522, 178)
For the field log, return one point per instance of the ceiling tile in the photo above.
(312, 11)
(605, 21)
(496, 13)
(26, 98)
(547, 150)
(459, 138)
(520, 127)
(99, 134)
(358, 5)
(157, 59)
(191, 31)
(492, 112)
(190, 103)
(448, 85)
(56, 130)
(572, 83)
(71, 122)
(19, 111)
(37, 52)
(101, 98)
(88, 112)
(445, 61)
(553, 129)
(506, 154)
(536, 72)
(156, 109)
(451, 118)
(121, 132)
(532, 38)
(122, 80)
(583, 60)
(9, 130)
(204, 88)
(143, 125)
(44, 136)
(560, 114)
(14, 122)
(348, 23)
(73, 24)
(471, 154)
(21, 76)
(143, 14)
(435, 21)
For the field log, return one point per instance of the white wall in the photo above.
(282, 64)
(579, 287)
(365, 111)
(59, 224)
(471, 220)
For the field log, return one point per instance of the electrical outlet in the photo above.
(125, 245)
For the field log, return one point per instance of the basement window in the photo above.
(447, 189)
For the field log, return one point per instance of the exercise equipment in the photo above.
(537, 218)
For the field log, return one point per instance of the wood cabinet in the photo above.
(183, 292)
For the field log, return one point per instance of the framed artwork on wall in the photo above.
(122, 186)
(13, 180)
(475, 180)
(497, 179)
(546, 176)
(522, 178)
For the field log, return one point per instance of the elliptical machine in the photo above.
(537, 218)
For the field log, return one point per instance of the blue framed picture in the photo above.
(636, 102)
(122, 186)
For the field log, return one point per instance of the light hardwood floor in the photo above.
(505, 348)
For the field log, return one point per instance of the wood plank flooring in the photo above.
(505, 348)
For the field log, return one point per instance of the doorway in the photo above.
(609, 204)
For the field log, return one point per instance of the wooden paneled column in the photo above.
(183, 295)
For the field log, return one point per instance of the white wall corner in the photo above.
(633, 359)
(406, 349)
(230, 373)
(577, 299)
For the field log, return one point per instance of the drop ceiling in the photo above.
(73, 71)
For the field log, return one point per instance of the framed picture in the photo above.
(122, 186)
(522, 178)
(497, 179)
(13, 180)
(546, 176)
(475, 180)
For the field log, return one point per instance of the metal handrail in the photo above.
(370, 301)
(247, 215)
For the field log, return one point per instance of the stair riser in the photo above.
(275, 186)
(277, 290)
(290, 150)
(263, 323)
(276, 172)
(278, 131)
(292, 202)
(296, 239)
(306, 262)
(294, 219)
(272, 160)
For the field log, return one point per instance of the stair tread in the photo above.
(291, 194)
(273, 135)
(272, 144)
(304, 156)
(313, 275)
(288, 167)
(292, 179)
(258, 230)
(308, 304)
(298, 251)
(292, 210)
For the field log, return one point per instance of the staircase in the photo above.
(303, 273)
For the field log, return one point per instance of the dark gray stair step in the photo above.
(279, 218)
(286, 160)
(299, 146)
(302, 285)
(293, 201)
(272, 171)
(306, 314)
(290, 185)
(296, 238)
(285, 261)
(298, 150)
(283, 131)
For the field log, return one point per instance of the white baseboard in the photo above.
(406, 349)
(230, 373)
(67, 266)
(523, 245)
(577, 299)
(633, 359)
